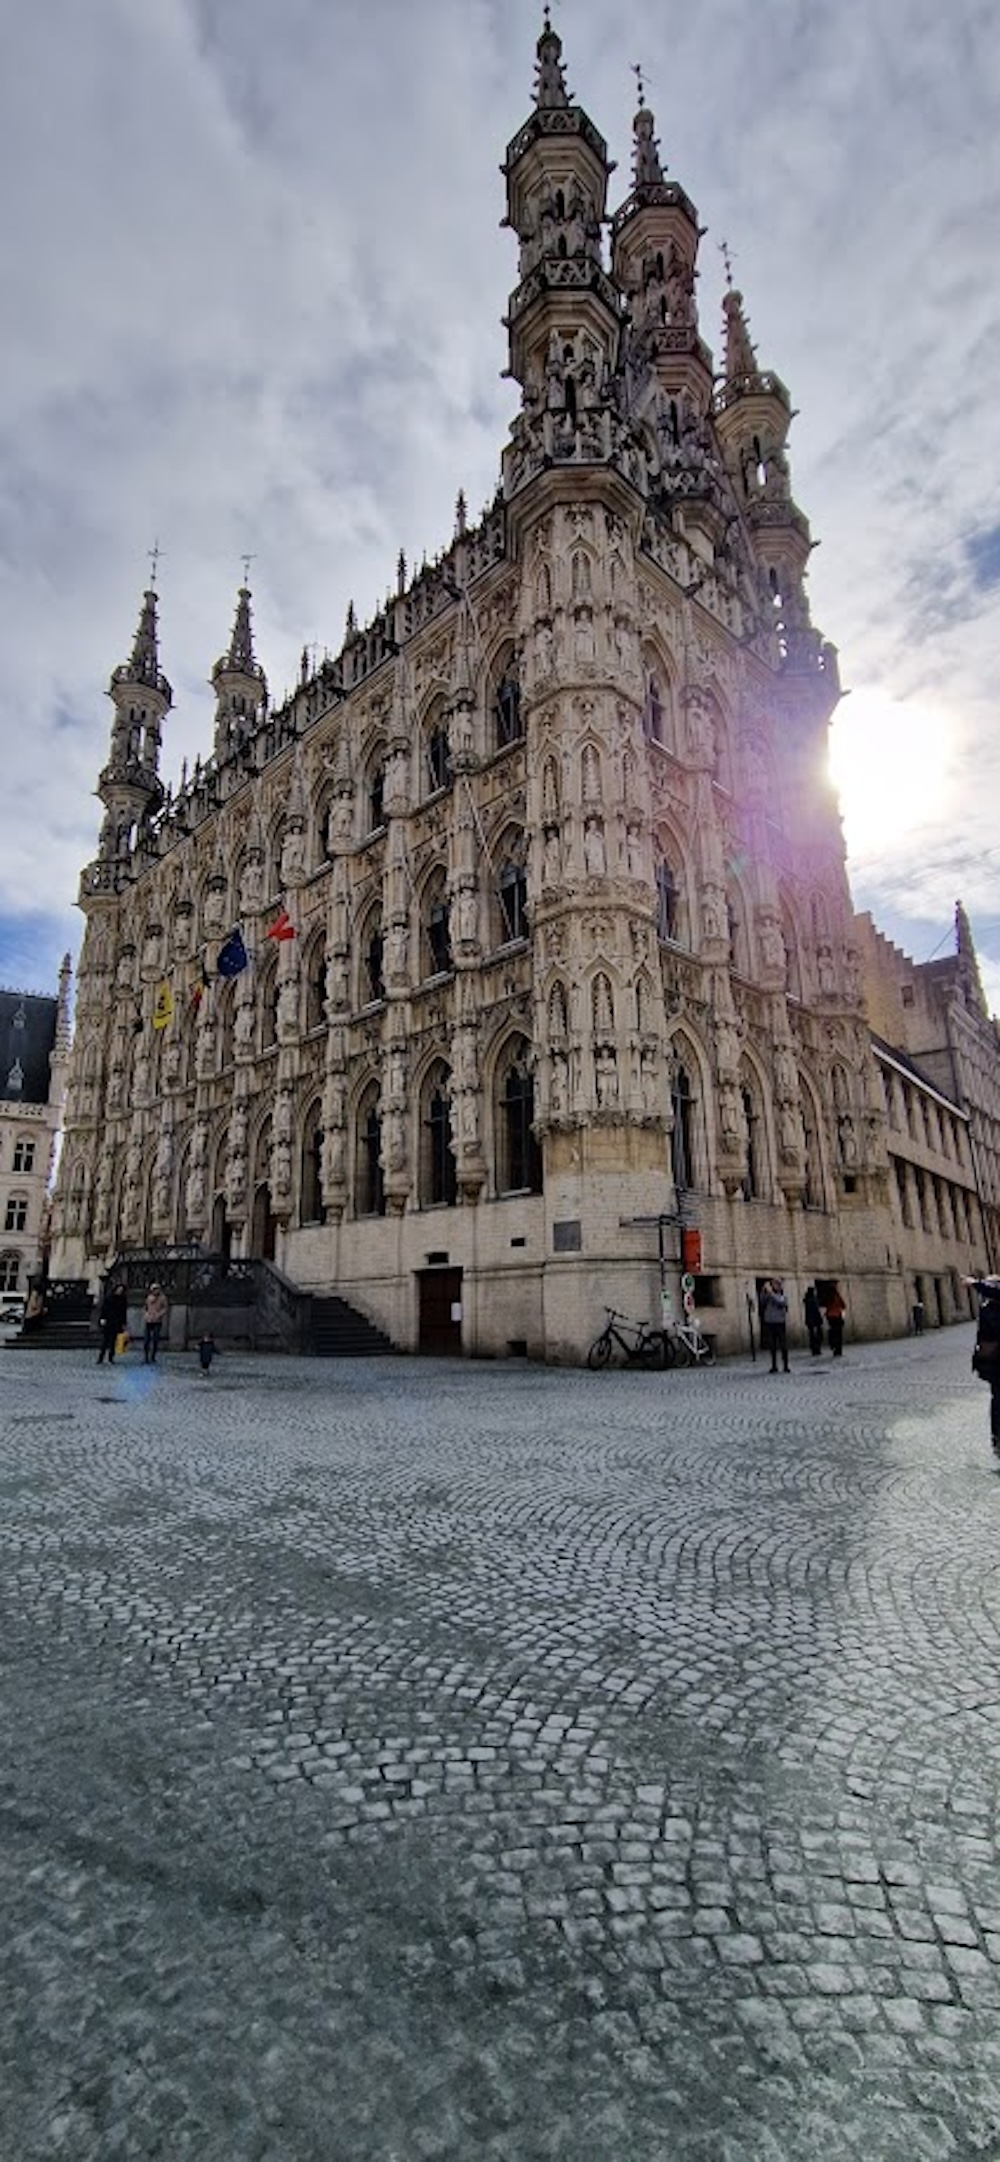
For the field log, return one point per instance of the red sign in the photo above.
(691, 1252)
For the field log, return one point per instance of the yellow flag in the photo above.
(163, 1006)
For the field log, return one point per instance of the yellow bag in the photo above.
(121, 1342)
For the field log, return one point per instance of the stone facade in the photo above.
(34, 1054)
(574, 948)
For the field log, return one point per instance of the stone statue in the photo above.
(825, 971)
(293, 855)
(467, 913)
(606, 1077)
(252, 885)
(552, 866)
(633, 848)
(594, 853)
(557, 1085)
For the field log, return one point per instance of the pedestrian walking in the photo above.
(113, 1320)
(206, 1353)
(835, 1311)
(774, 1316)
(154, 1315)
(917, 1317)
(986, 1356)
(813, 1314)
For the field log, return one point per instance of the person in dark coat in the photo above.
(774, 1316)
(986, 1356)
(813, 1315)
(114, 1318)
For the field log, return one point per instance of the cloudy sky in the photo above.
(253, 279)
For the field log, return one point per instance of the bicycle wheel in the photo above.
(707, 1357)
(682, 1354)
(600, 1351)
(650, 1351)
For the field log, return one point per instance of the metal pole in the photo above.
(753, 1340)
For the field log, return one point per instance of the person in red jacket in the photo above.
(835, 1311)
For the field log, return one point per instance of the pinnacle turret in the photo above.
(550, 79)
(240, 684)
(646, 166)
(740, 370)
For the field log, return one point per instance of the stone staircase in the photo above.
(69, 1324)
(338, 1331)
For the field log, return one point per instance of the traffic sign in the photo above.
(687, 1281)
(689, 1302)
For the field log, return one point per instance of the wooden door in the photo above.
(440, 1304)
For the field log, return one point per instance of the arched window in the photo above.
(667, 899)
(269, 1007)
(654, 712)
(311, 1182)
(315, 974)
(10, 1269)
(440, 1183)
(372, 959)
(512, 893)
(376, 795)
(438, 759)
(369, 1193)
(508, 722)
(437, 925)
(519, 1158)
(812, 1197)
(752, 1189)
(682, 1133)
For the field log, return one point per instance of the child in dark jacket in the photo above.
(206, 1353)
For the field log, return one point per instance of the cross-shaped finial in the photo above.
(724, 251)
(246, 562)
(640, 86)
(154, 554)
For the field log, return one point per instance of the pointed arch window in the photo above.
(507, 716)
(667, 901)
(311, 1182)
(316, 987)
(440, 1171)
(752, 1189)
(512, 887)
(372, 960)
(438, 930)
(654, 711)
(438, 758)
(376, 798)
(682, 1132)
(519, 1158)
(369, 1197)
(812, 1196)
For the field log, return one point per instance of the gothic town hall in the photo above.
(536, 939)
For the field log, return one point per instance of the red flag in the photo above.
(282, 927)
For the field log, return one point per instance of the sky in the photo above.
(254, 275)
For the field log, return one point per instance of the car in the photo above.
(12, 1305)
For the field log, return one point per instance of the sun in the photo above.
(891, 764)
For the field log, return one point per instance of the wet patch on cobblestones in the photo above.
(522, 1765)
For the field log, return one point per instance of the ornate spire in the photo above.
(143, 665)
(741, 360)
(241, 655)
(550, 80)
(646, 164)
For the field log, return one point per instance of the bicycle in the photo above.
(686, 1346)
(640, 1345)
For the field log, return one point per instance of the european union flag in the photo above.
(233, 956)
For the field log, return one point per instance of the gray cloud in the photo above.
(253, 297)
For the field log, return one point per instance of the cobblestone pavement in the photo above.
(409, 1761)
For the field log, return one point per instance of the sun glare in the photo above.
(891, 766)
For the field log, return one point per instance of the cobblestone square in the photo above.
(410, 1761)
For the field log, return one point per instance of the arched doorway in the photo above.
(263, 1230)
